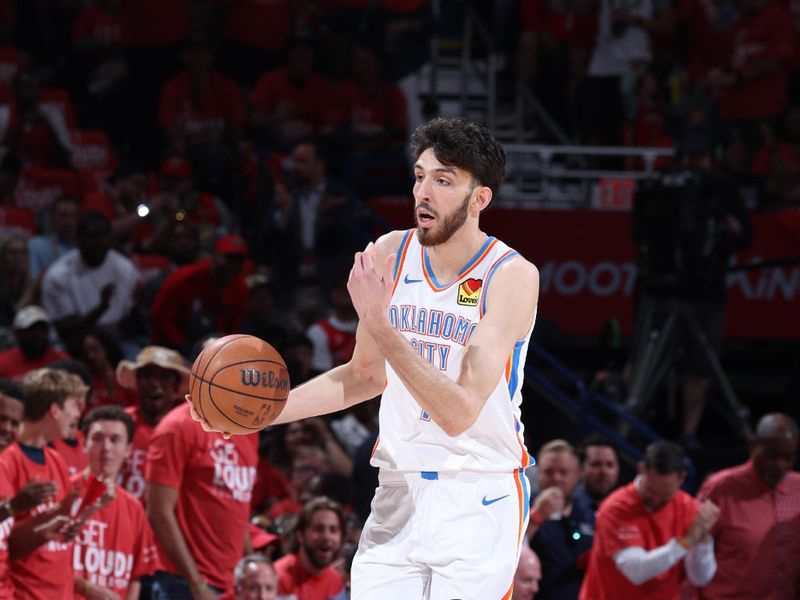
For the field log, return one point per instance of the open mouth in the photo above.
(424, 216)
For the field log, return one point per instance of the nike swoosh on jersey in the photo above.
(407, 280)
(486, 502)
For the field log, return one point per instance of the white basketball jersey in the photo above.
(438, 319)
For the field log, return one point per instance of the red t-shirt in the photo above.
(97, 23)
(215, 478)
(155, 22)
(14, 365)
(191, 290)
(710, 31)
(314, 104)
(131, 475)
(270, 486)
(294, 579)
(766, 35)
(73, 454)
(15, 220)
(260, 23)
(217, 109)
(39, 188)
(6, 592)
(624, 522)
(46, 573)
(373, 115)
(565, 24)
(116, 545)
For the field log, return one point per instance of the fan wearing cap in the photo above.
(32, 330)
(208, 295)
(158, 375)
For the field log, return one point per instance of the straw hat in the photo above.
(152, 355)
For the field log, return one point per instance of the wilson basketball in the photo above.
(239, 384)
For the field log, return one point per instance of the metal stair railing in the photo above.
(583, 405)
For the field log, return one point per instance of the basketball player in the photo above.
(445, 315)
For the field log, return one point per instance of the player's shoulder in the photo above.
(391, 243)
(512, 274)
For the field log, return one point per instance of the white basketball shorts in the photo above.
(442, 536)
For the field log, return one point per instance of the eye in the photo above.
(418, 177)
(441, 181)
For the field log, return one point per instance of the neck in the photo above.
(35, 434)
(449, 258)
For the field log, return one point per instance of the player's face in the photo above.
(107, 446)
(157, 388)
(260, 582)
(773, 458)
(11, 411)
(321, 541)
(600, 470)
(656, 490)
(441, 199)
(559, 469)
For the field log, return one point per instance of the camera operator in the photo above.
(686, 223)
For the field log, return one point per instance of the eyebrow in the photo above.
(450, 170)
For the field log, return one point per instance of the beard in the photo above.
(448, 227)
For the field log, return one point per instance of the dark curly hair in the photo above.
(458, 142)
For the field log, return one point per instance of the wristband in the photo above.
(536, 518)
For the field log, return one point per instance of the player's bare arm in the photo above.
(453, 405)
(360, 379)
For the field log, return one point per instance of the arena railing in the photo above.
(566, 176)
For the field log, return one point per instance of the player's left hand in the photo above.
(369, 289)
(207, 427)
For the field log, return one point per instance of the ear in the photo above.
(681, 478)
(54, 410)
(481, 198)
(640, 468)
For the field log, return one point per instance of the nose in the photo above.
(424, 188)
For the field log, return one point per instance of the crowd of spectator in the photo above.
(641, 73)
(171, 172)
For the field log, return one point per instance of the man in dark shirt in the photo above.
(561, 538)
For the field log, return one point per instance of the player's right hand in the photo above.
(207, 427)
